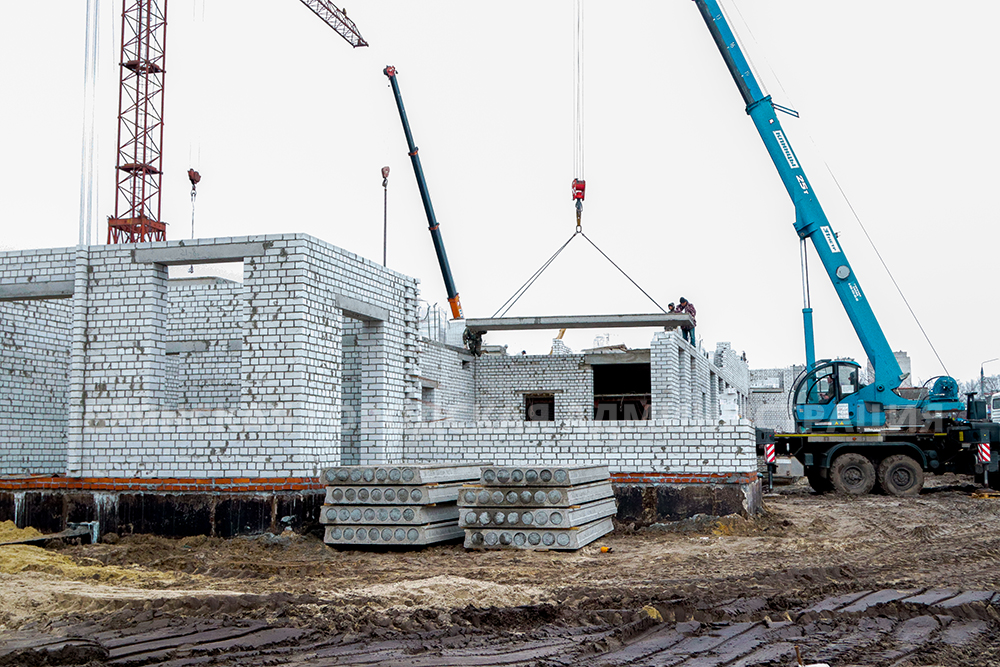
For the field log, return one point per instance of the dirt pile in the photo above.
(9, 532)
(445, 592)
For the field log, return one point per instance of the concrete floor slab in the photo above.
(566, 540)
(527, 496)
(411, 515)
(542, 476)
(392, 535)
(545, 517)
(665, 320)
(427, 494)
(402, 474)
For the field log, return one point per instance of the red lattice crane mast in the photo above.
(140, 123)
(140, 114)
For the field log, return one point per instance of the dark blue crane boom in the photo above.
(853, 436)
(425, 196)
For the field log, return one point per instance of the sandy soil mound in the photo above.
(9, 532)
(447, 592)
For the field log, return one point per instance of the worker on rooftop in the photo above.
(686, 307)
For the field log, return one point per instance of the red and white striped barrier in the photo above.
(984, 452)
(769, 452)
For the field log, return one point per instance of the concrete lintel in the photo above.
(630, 357)
(177, 347)
(361, 310)
(428, 383)
(198, 254)
(665, 320)
(48, 289)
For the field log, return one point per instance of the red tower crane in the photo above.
(140, 114)
(140, 123)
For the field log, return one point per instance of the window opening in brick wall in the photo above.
(427, 403)
(540, 407)
(622, 392)
(203, 338)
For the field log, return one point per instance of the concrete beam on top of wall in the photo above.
(359, 310)
(198, 254)
(665, 320)
(45, 289)
(627, 357)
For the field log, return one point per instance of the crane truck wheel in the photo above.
(818, 482)
(852, 474)
(900, 475)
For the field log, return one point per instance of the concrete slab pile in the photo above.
(516, 507)
(411, 505)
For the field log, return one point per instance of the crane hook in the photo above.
(579, 191)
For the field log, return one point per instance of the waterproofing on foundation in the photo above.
(225, 512)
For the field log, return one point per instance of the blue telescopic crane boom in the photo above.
(810, 220)
(449, 282)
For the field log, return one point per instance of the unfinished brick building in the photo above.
(207, 405)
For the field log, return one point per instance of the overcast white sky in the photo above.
(289, 127)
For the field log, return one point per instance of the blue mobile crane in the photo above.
(852, 436)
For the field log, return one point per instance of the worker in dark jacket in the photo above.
(686, 307)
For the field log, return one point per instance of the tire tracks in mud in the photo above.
(874, 627)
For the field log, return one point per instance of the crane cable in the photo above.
(509, 303)
(578, 118)
(88, 161)
(194, 148)
(579, 182)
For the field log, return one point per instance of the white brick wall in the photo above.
(658, 446)
(34, 383)
(132, 408)
(503, 380)
(687, 384)
(448, 373)
(206, 314)
(284, 383)
(769, 404)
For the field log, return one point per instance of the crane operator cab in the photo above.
(824, 397)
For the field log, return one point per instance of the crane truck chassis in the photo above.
(849, 436)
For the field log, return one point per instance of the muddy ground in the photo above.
(849, 581)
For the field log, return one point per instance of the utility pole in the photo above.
(982, 376)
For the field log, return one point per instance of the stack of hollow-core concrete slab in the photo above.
(410, 505)
(534, 507)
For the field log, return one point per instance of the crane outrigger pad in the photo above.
(665, 320)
